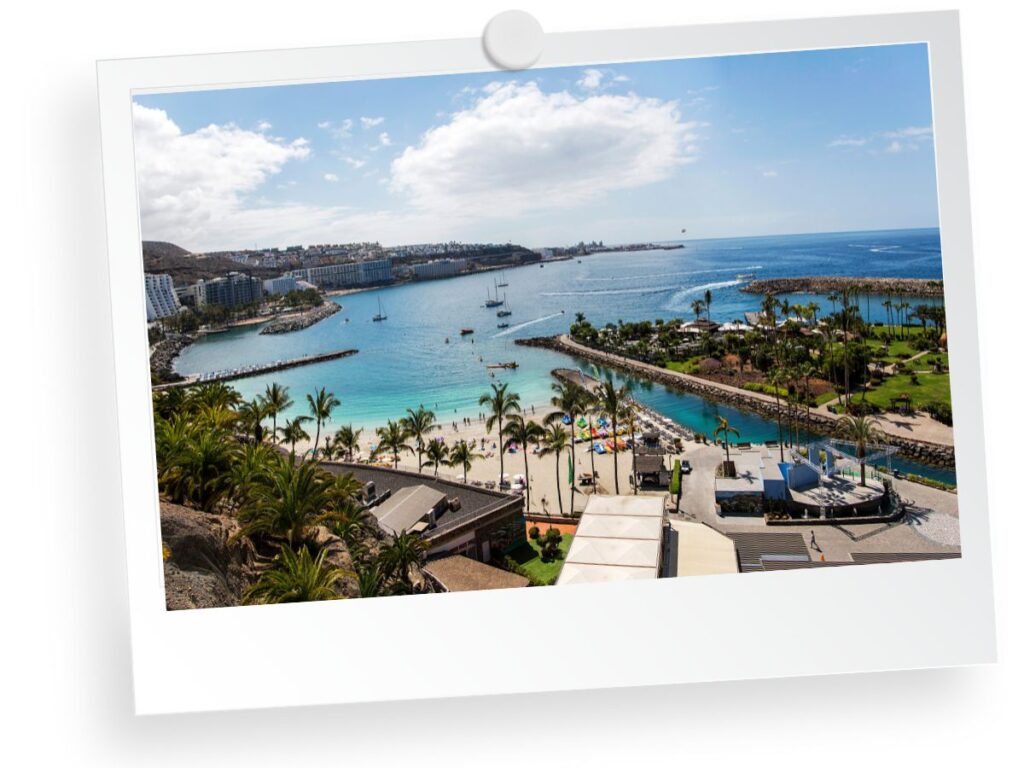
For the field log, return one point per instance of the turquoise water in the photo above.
(405, 361)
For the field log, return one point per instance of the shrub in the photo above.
(914, 380)
(534, 532)
(941, 412)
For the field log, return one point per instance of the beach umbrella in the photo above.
(581, 422)
(566, 420)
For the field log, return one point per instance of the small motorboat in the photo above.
(465, 331)
(503, 325)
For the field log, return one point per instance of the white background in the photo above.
(66, 685)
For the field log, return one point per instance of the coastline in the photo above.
(877, 286)
(919, 437)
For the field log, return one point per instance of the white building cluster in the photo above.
(438, 268)
(161, 300)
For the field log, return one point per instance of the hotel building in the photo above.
(439, 268)
(161, 300)
(346, 275)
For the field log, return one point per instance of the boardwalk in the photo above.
(257, 369)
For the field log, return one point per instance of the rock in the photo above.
(303, 320)
(826, 285)
(202, 567)
(337, 557)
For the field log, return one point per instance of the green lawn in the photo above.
(931, 387)
(685, 366)
(768, 389)
(528, 558)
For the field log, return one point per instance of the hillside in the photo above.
(184, 267)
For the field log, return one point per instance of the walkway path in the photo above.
(916, 427)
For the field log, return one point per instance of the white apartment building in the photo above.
(161, 300)
(280, 285)
(346, 275)
(439, 268)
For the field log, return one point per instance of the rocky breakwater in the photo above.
(878, 286)
(924, 452)
(297, 322)
(162, 356)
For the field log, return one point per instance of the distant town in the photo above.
(224, 286)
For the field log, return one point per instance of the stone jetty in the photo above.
(257, 369)
(299, 321)
(876, 286)
(919, 450)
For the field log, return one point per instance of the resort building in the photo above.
(757, 476)
(347, 275)
(280, 285)
(234, 290)
(619, 538)
(452, 518)
(161, 300)
(457, 573)
(696, 549)
(439, 268)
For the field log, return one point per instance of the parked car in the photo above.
(685, 467)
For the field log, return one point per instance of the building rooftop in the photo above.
(473, 503)
(701, 550)
(618, 538)
(462, 574)
(407, 507)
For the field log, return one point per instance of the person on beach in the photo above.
(814, 542)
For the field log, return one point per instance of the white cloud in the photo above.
(324, 124)
(620, 79)
(354, 162)
(901, 140)
(591, 79)
(263, 126)
(770, 174)
(519, 149)
(189, 183)
(370, 122)
(848, 141)
(383, 140)
(332, 177)
(914, 133)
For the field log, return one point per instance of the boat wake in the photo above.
(664, 274)
(677, 304)
(544, 319)
(613, 291)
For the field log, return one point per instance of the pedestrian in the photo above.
(814, 542)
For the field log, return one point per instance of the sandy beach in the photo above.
(542, 473)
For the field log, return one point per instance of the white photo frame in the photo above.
(668, 631)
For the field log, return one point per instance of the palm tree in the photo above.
(628, 415)
(463, 455)
(569, 400)
(214, 394)
(292, 498)
(590, 404)
(251, 466)
(391, 439)
(437, 455)
(502, 404)
(524, 433)
(371, 580)
(862, 431)
(347, 440)
(707, 303)
(725, 430)
(251, 415)
(202, 473)
(321, 403)
(329, 449)
(610, 400)
(407, 550)
(418, 424)
(777, 378)
(296, 578)
(292, 431)
(555, 440)
(698, 307)
(277, 401)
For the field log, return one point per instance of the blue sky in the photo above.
(728, 146)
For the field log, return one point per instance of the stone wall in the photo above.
(917, 450)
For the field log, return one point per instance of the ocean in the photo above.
(418, 357)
